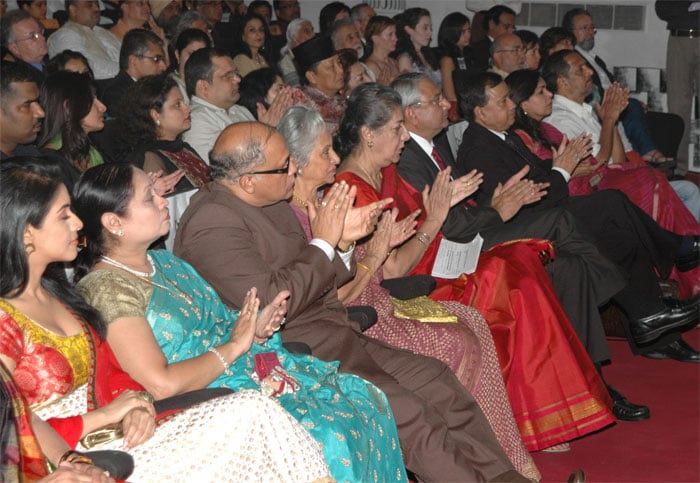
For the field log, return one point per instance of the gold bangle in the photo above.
(365, 267)
(423, 237)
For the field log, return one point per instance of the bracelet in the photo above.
(226, 365)
(350, 248)
(71, 456)
(423, 237)
(365, 267)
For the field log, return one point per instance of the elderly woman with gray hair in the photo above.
(299, 31)
(466, 346)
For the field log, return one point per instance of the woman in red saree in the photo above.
(554, 389)
(645, 186)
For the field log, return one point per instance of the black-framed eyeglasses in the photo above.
(155, 59)
(32, 36)
(283, 170)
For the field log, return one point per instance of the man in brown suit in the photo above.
(239, 232)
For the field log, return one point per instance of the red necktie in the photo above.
(438, 159)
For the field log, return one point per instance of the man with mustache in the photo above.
(20, 111)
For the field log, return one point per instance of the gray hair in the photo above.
(8, 22)
(356, 11)
(243, 158)
(292, 31)
(407, 87)
(185, 22)
(337, 25)
(301, 127)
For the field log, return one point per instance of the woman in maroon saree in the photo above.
(554, 389)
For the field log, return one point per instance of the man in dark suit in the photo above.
(239, 232)
(23, 38)
(620, 230)
(497, 21)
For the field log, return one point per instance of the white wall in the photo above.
(645, 48)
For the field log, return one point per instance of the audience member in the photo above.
(344, 35)
(414, 30)
(531, 46)
(71, 61)
(322, 79)
(214, 346)
(37, 9)
(360, 14)
(72, 112)
(82, 34)
(568, 76)
(330, 14)
(355, 72)
(187, 42)
(191, 19)
(285, 12)
(507, 54)
(443, 433)
(69, 374)
(262, 8)
(141, 54)
(135, 14)
(455, 56)
(20, 110)
(23, 38)
(455, 344)
(636, 130)
(682, 66)
(380, 41)
(498, 20)
(166, 13)
(620, 231)
(259, 89)
(553, 40)
(254, 47)
(299, 31)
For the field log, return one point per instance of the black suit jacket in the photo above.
(462, 223)
(485, 151)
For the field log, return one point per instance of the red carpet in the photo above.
(664, 448)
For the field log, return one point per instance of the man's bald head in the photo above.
(239, 149)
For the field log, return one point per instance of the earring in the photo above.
(119, 233)
(29, 248)
(370, 144)
(299, 172)
(157, 122)
(524, 112)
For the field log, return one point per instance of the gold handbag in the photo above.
(102, 436)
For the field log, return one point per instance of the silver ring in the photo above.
(284, 319)
(324, 203)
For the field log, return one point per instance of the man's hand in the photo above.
(328, 217)
(509, 198)
(465, 186)
(615, 100)
(569, 154)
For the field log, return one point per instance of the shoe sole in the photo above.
(660, 357)
(656, 333)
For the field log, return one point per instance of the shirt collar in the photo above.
(424, 144)
(562, 102)
(209, 105)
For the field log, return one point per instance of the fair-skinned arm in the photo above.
(388, 234)
(138, 353)
(615, 100)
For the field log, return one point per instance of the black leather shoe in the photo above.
(625, 410)
(650, 328)
(690, 260)
(679, 350)
(578, 476)
(693, 301)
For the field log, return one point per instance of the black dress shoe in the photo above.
(650, 328)
(693, 301)
(691, 259)
(578, 476)
(625, 410)
(679, 350)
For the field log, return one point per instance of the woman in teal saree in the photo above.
(172, 333)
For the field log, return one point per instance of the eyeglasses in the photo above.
(283, 170)
(587, 28)
(155, 59)
(517, 50)
(32, 36)
(434, 102)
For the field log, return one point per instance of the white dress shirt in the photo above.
(208, 121)
(99, 46)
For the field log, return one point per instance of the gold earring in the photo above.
(370, 144)
(29, 248)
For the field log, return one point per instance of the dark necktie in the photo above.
(602, 65)
(438, 159)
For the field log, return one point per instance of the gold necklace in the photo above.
(299, 201)
(376, 184)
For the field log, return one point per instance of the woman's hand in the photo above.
(278, 107)
(243, 331)
(465, 186)
(437, 198)
(404, 229)
(166, 184)
(77, 473)
(127, 401)
(271, 317)
(138, 426)
(570, 153)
